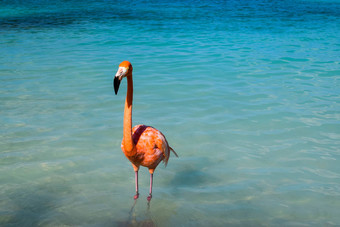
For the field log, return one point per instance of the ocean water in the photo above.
(246, 92)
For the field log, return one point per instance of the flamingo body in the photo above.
(142, 145)
(151, 146)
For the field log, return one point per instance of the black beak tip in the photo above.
(116, 83)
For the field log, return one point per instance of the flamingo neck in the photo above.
(128, 143)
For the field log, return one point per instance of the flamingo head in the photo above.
(124, 70)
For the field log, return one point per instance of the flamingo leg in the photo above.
(136, 181)
(150, 194)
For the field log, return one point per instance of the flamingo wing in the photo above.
(151, 146)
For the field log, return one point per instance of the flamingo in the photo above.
(142, 145)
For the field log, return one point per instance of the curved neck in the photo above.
(127, 129)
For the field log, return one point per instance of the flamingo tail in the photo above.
(167, 158)
(173, 151)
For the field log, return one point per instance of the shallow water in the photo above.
(247, 93)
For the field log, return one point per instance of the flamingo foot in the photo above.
(136, 196)
(149, 197)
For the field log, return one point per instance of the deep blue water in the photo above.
(246, 92)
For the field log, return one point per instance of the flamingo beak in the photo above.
(116, 83)
(119, 76)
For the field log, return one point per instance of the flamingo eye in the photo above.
(124, 70)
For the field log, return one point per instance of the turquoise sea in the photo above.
(246, 92)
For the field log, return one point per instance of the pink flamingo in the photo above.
(142, 145)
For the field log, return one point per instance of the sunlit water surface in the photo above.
(247, 93)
